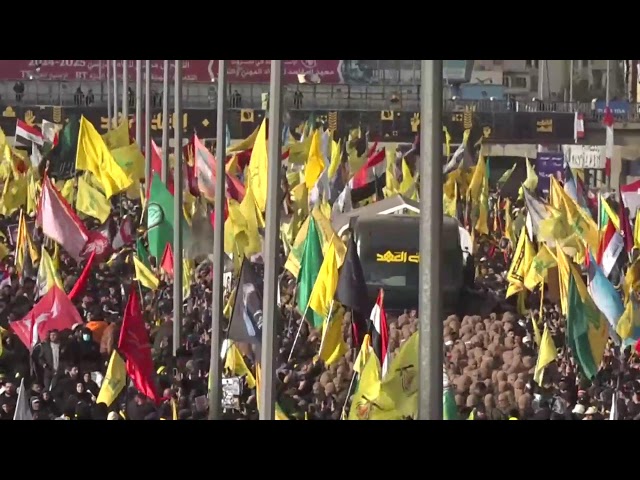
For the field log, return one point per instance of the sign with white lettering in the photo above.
(585, 156)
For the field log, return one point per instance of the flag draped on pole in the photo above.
(134, 345)
(22, 412)
(608, 123)
(59, 222)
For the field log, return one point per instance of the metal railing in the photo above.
(320, 97)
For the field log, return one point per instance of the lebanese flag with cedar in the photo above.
(53, 311)
(608, 123)
(134, 345)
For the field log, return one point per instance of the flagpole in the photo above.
(147, 124)
(165, 122)
(177, 209)
(217, 304)
(430, 306)
(109, 110)
(271, 250)
(571, 84)
(139, 102)
(608, 77)
(125, 89)
(115, 92)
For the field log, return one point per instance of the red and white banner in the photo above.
(33, 134)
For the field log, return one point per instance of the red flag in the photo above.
(84, 278)
(134, 345)
(608, 123)
(53, 311)
(59, 222)
(97, 243)
(167, 260)
(156, 167)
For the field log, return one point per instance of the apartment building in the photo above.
(551, 79)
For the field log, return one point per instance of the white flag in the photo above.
(23, 412)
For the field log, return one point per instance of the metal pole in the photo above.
(271, 247)
(217, 306)
(125, 89)
(115, 93)
(139, 102)
(608, 78)
(431, 327)
(165, 123)
(147, 123)
(571, 84)
(109, 111)
(177, 209)
(541, 79)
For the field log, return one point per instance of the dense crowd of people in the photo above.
(492, 343)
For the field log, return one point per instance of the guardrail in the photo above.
(321, 97)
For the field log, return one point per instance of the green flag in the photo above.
(160, 218)
(309, 268)
(62, 158)
(586, 333)
(449, 407)
(142, 253)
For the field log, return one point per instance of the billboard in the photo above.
(238, 71)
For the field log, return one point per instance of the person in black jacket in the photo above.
(86, 352)
(53, 355)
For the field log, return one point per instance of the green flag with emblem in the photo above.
(161, 219)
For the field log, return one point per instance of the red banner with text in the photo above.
(238, 71)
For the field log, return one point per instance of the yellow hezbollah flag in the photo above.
(235, 364)
(94, 156)
(315, 163)
(581, 223)
(245, 144)
(256, 177)
(324, 289)
(144, 275)
(279, 414)
(47, 276)
(564, 273)
(118, 137)
(625, 325)
(14, 194)
(333, 346)
(546, 355)
(363, 354)
(399, 388)
(91, 202)
(543, 261)
(114, 381)
(531, 182)
(367, 391)
(522, 260)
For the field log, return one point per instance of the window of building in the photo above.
(506, 80)
(531, 63)
(585, 63)
(519, 82)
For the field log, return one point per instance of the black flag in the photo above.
(352, 289)
(246, 318)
